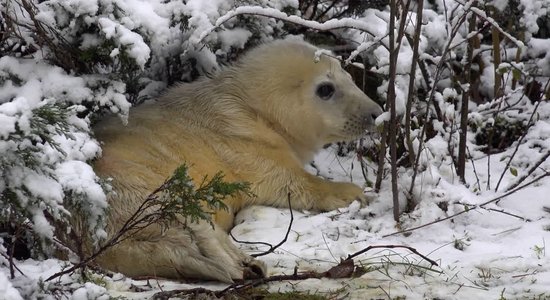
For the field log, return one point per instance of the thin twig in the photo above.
(431, 97)
(381, 157)
(474, 168)
(345, 269)
(463, 131)
(130, 224)
(271, 247)
(519, 143)
(324, 12)
(413, 250)
(12, 264)
(502, 211)
(469, 209)
(530, 171)
(412, 77)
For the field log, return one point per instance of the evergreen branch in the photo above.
(174, 199)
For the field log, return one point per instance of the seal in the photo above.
(260, 121)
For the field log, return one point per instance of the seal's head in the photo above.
(306, 93)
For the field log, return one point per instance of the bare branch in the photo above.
(345, 269)
(12, 265)
(519, 143)
(502, 211)
(470, 209)
(463, 131)
(392, 133)
(381, 157)
(482, 15)
(535, 166)
(412, 77)
(413, 250)
(431, 98)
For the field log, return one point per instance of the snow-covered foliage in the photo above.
(64, 63)
(45, 144)
(68, 60)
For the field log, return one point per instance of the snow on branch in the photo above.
(483, 15)
(365, 46)
(279, 15)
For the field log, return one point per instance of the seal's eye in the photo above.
(325, 90)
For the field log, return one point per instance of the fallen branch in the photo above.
(345, 269)
(470, 209)
(502, 211)
(413, 250)
(518, 144)
(236, 287)
(535, 166)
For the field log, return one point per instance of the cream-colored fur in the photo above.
(260, 121)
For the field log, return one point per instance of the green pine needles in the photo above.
(180, 197)
(177, 200)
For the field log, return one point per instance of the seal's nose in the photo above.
(374, 111)
(378, 111)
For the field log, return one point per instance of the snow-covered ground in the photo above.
(495, 252)
(482, 254)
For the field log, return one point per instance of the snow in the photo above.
(500, 4)
(79, 177)
(236, 38)
(532, 10)
(539, 47)
(203, 13)
(7, 289)
(30, 159)
(481, 253)
(277, 14)
(7, 124)
(90, 291)
(137, 48)
(492, 251)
